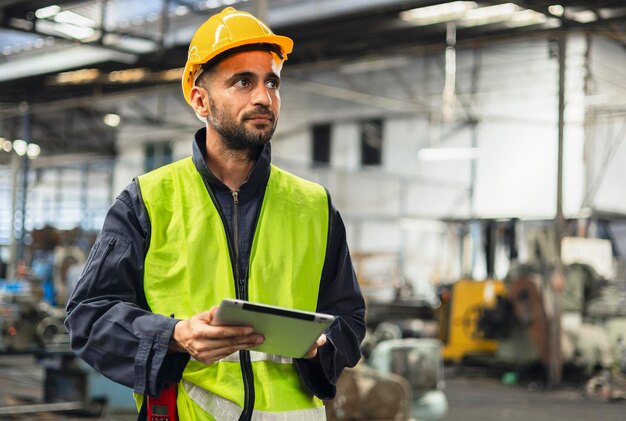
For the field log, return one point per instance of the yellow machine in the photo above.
(459, 317)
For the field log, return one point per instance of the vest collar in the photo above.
(256, 179)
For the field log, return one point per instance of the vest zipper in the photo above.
(240, 284)
(242, 292)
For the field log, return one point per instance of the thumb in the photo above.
(208, 316)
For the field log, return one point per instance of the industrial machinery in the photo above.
(419, 360)
(27, 324)
(506, 322)
(31, 322)
(367, 394)
(464, 305)
(401, 380)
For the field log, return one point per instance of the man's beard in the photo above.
(234, 135)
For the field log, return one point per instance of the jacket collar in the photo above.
(256, 179)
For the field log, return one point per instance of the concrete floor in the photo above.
(487, 399)
(470, 396)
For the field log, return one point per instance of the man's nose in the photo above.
(261, 96)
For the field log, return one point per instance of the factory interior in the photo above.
(472, 148)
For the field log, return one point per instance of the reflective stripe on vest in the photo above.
(188, 269)
(258, 356)
(224, 410)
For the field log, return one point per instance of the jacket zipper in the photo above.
(242, 293)
(240, 282)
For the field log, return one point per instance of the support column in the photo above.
(556, 281)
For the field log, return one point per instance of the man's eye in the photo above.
(272, 84)
(244, 83)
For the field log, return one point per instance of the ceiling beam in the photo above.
(62, 60)
(364, 98)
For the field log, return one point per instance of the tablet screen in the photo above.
(287, 332)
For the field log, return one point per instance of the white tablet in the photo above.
(287, 332)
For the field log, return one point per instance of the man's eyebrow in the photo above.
(250, 75)
(239, 75)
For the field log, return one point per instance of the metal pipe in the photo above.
(261, 9)
(163, 24)
(44, 407)
(15, 170)
(23, 190)
(555, 365)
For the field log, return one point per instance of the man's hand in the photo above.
(208, 343)
(313, 351)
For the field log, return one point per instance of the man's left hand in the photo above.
(313, 351)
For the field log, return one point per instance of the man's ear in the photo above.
(199, 101)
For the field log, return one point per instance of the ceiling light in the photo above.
(47, 12)
(7, 146)
(438, 13)
(20, 146)
(204, 6)
(556, 10)
(73, 31)
(137, 45)
(78, 76)
(33, 150)
(112, 120)
(73, 19)
(172, 74)
(582, 16)
(526, 18)
(447, 154)
(489, 14)
(127, 76)
(181, 11)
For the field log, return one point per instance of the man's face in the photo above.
(243, 97)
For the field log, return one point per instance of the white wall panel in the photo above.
(606, 153)
(345, 152)
(516, 171)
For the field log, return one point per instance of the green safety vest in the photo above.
(188, 270)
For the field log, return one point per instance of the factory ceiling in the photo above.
(60, 58)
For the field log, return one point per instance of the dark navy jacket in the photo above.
(111, 326)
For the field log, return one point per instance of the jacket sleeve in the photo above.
(108, 319)
(340, 296)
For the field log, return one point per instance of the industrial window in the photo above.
(157, 155)
(321, 144)
(371, 142)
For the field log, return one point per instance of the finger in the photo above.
(215, 354)
(244, 340)
(321, 340)
(217, 343)
(311, 354)
(216, 332)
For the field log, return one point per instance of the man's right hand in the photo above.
(208, 343)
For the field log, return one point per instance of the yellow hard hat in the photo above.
(222, 32)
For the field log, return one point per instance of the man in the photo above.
(224, 223)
